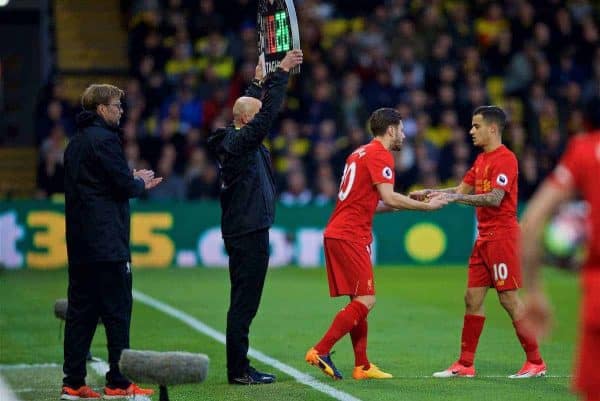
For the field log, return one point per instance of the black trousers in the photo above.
(248, 261)
(97, 290)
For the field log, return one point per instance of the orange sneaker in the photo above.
(456, 370)
(372, 373)
(132, 390)
(82, 393)
(530, 370)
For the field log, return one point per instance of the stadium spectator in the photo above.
(441, 57)
(201, 177)
(297, 193)
(577, 173)
(50, 174)
(494, 261)
(248, 208)
(98, 185)
(368, 177)
(173, 186)
(326, 191)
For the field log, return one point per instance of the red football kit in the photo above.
(494, 261)
(348, 233)
(579, 168)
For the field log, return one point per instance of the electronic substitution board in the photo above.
(277, 32)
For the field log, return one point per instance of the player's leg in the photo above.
(503, 263)
(534, 365)
(477, 286)
(587, 375)
(349, 272)
(344, 321)
(586, 380)
(359, 333)
(473, 322)
(363, 369)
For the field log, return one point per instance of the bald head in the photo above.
(244, 110)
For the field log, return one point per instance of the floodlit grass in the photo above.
(414, 330)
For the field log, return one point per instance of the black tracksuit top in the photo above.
(247, 181)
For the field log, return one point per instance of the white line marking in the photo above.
(220, 337)
(29, 366)
(6, 394)
(23, 390)
(100, 367)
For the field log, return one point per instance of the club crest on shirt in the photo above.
(502, 179)
(387, 172)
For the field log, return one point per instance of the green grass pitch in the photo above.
(413, 331)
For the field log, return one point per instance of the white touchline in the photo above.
(6, 394)
(99, 367)
(29, 366)
(220, 337)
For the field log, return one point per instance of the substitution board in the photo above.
(277, 32)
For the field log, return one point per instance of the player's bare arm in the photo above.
(398, 201)
(383, 208)
(538, 314)
(423, 194)
(539, 209)
(490, 199)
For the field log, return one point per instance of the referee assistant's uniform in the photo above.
(248, 210)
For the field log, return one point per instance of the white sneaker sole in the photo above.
(527, 375)
(76, 397)
(69, 397)
(128, 397)
(448, 375)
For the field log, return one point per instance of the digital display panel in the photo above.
(278, 35)
(277, 32)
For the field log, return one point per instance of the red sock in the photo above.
(358, 334)
(472, 328)
(343, 322)
(529, 344)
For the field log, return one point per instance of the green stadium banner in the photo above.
(165, 234)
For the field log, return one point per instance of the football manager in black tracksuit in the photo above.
(248, 208)
(98, 185)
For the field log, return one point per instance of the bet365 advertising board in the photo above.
(164, 235)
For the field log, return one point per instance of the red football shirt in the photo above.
(352, 217)
(580, 168)
(496, 169)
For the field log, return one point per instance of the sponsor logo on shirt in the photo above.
(387, 172)
(502, 179)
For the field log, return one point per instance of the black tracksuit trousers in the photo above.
(248, 261)
(97, 290)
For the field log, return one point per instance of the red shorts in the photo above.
(349, 268)
(495, 264)
(587, 374)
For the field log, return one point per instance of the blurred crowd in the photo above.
(435, 61)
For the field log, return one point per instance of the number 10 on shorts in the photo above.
(500, 271)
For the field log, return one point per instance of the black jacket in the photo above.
(247, 182)
(98, 185)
